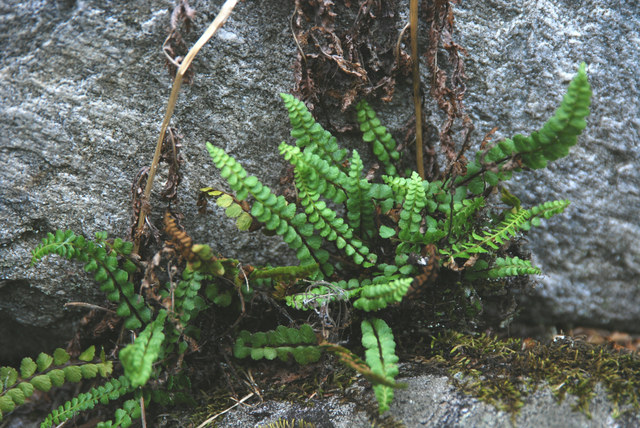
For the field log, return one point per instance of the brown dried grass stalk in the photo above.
(218, 22)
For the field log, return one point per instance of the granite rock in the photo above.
(432, 401)
(522, 55)
(84, 90)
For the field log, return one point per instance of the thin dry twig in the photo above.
(417, 104)
(143, 413)
(88, 306)
(399, 42)
(218, 22)
(212, 418)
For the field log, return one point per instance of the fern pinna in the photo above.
(48, 371)
(110, 265)
(407, 214)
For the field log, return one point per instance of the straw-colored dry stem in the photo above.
(415, 60)
(220, 19)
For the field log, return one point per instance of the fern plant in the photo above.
(377, 338)
(407, 214)
(163, 331)
(45, 372)
(368, 241)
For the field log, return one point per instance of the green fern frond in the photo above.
(272, 210)
(411, 214)
(502, 267)
(515, 220)
(137, 358)
(111, 267)
(63, 243)
(45, 372)
(560, 132)
(309, 133)
(360, 207)
(550, 143)
(382, 143)
(233, 209)
(545, 210)
(280, 343)
(490, 240)
(111, 390)
(380, 352)
(377, 296)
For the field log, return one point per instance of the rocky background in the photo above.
(522, 54)
(431, 401)
(84, 88)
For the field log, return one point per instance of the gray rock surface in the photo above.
(432, 401)
(83, 94)
(84, 90)
(522, 55)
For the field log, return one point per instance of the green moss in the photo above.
(281, 423)
(505, 372)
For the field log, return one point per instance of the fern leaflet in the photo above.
(380, 352)
(138, 357)
(103, 394)
(502, 267)
(382, 143)
(279, 343)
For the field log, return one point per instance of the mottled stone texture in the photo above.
(83, 94)
(432, 401)
(522, 55)
(84, 90)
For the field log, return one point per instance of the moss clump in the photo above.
(504, 372)
(293, 423)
